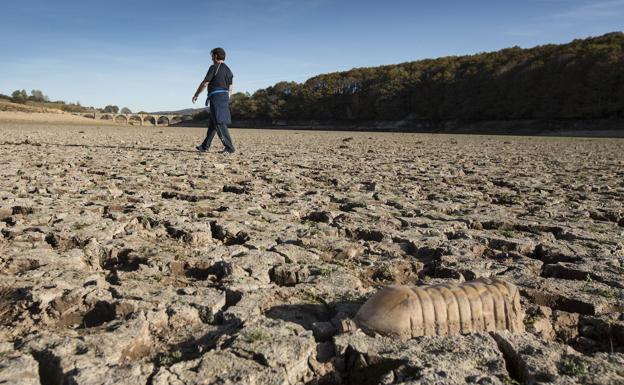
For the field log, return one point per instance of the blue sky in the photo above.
(150, 55)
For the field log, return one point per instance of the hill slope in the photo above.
(583, 79)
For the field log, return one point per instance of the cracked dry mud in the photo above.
(127, 258)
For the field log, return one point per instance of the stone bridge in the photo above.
(140, 119)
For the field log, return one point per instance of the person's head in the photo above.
(218, 54)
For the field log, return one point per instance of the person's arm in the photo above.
(200, 89)
(202, 86)
(230, 80)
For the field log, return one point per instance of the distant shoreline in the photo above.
(590, 129)
(49, 118)
(577, 128)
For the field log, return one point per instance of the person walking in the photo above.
(219, 83)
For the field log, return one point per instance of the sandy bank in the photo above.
(49, 117)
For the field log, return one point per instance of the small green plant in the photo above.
(596, 229)
(254, 212)
(312, 297)
(588, 282)
(326, 248)
(79, 226)
(530, 320)
(256, 336)
(615, 267)
(88, 259)
(572, 366)
(326, 271)
(148, 251)
(351, 297)
(508, 233)
(171, 358)
(607, 293)
(81, 349)
(510, 381)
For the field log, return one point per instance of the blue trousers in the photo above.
(220, 129)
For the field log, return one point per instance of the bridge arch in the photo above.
(175, 119)
(149, 119)
(119, 118)
(107, 117)
(164, 120)
(135, 119)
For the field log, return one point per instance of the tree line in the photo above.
(37, 97)
(21, 96)
(583, 79)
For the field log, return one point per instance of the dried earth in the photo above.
(128, 258)
(12, 113)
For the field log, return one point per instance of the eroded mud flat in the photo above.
(128, 258)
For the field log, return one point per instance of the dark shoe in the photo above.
(201, 149)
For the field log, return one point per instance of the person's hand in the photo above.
(194, 99)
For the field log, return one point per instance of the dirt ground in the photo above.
(27, 116)
(126, 257)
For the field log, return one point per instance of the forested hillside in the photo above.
(580, 80)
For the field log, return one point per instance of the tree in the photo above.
(111, 109)
(38, 96)
(126, 110)
(579, 80)
(19, 96)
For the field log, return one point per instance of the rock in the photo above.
(247, 305)
(429, 360)
(124, 265)
(19, 369)
(183, 316)
(346, 252)
(369, 235)
(566, 325)
(230, 233)
(589, 298)
(585, 270)
(236, 189)
(195, 234)
(323, 331)
(285, 347)
(319, 216)
(295, 254)
(99, 358)
(504, 244)
(5, 212)
(532, 361)
(539, 322)
(289, 275)
(218, 367)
